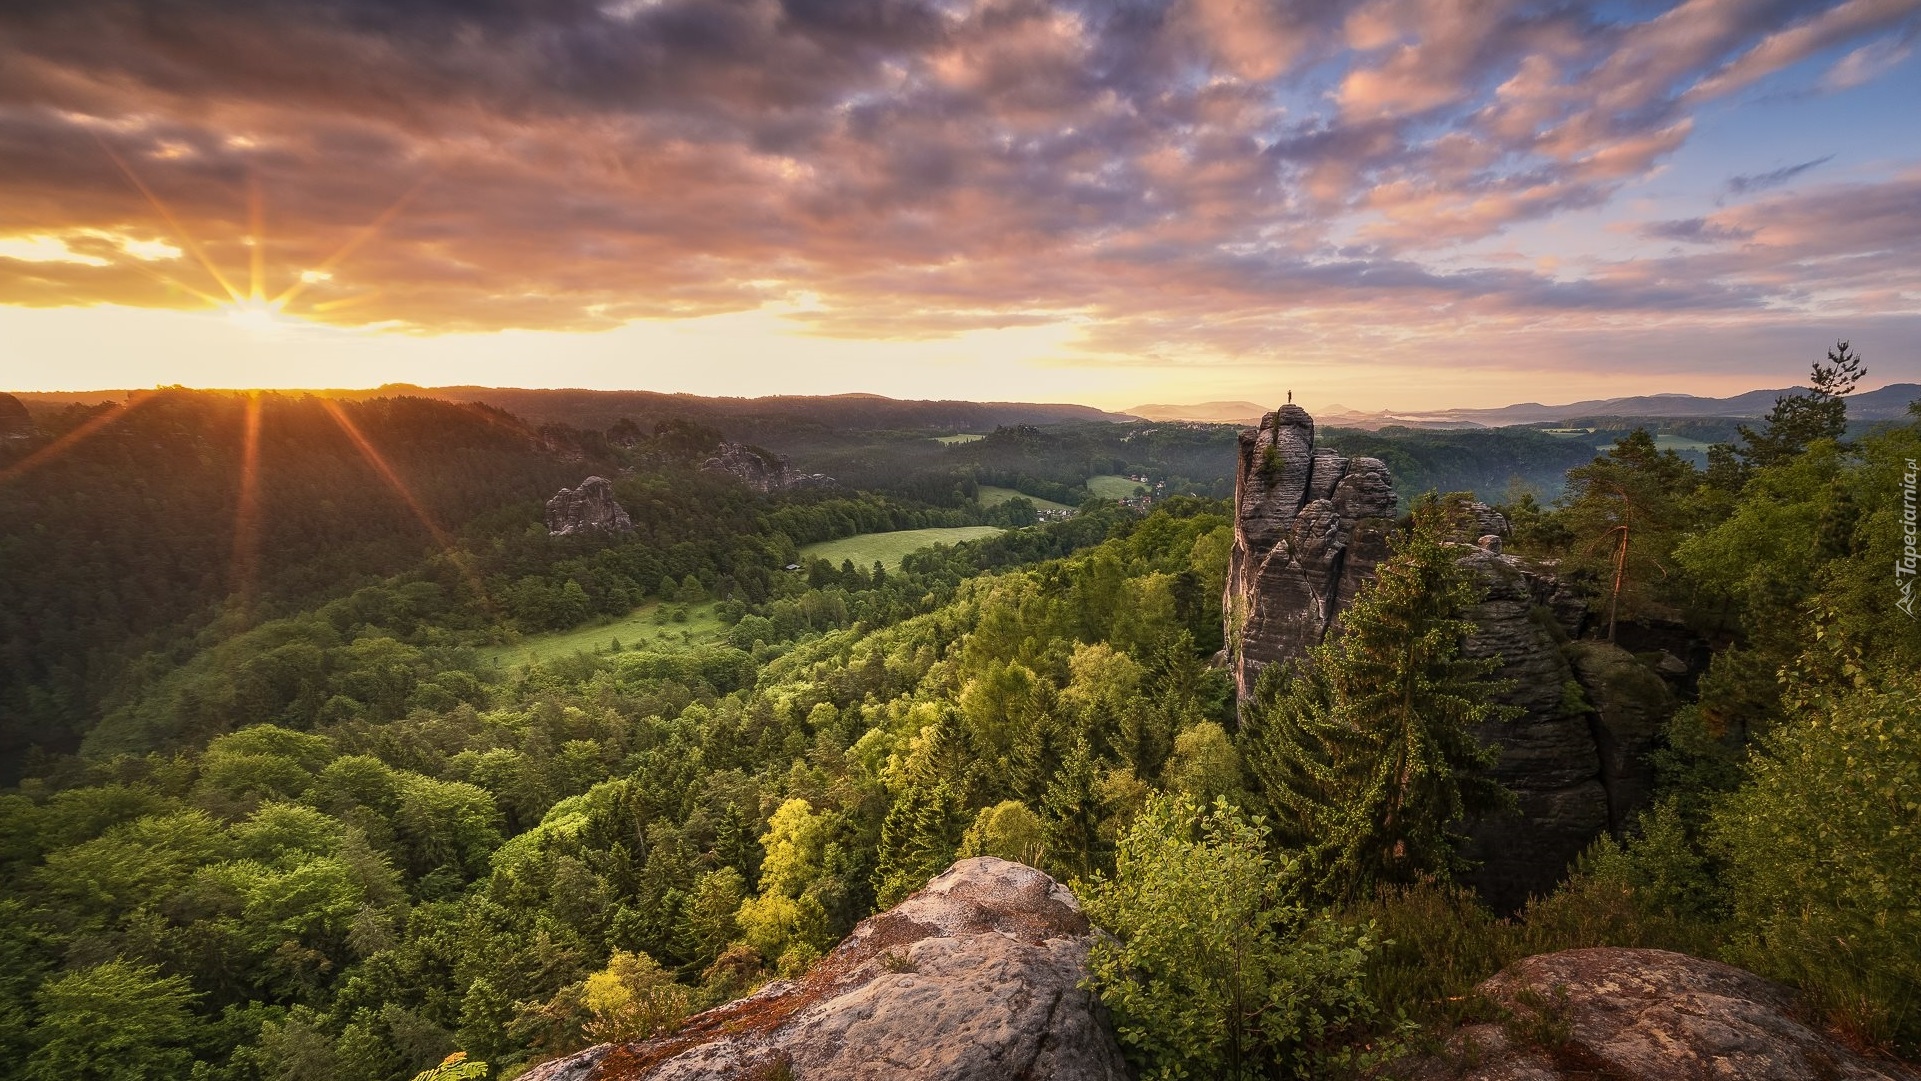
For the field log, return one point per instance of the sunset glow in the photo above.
(1387, 203)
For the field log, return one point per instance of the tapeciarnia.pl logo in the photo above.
(1904, 567)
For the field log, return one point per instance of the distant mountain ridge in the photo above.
(1885, 403)
(741, 417)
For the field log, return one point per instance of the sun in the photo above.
(256, 315)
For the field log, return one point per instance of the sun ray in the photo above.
(326, 306)
(168, 279)
(257, 242)
(66, 442)
(186, 239)
(246, 518)
(387, 473)
(367, 232)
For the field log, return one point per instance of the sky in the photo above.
(1389, 204)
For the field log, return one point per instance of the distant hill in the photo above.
(746, 418)
(1206, 412)
(1886, 403)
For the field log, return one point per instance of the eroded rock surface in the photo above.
(1643, 1015)
(976, 977)
(1310, 528)
(761, 470)
(589, 508)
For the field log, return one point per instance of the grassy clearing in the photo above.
(1109, 486)
(1604, 441)
(993, 497)
(640, 628)
(888, 548)
(950, 440)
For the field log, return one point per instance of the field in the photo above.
(1604, 440)
(1109, 486)
(950, 440)
(637, 628)
(991, 496)
(887, 548)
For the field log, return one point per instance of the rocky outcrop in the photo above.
(761, 470)
(589, 508)
(1549, 759)
(15, 421)
(1630, 703)
(1642, 1015)
(1309, 529)
(976, 977)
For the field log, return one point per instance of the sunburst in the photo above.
(256, 311)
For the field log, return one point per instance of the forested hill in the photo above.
(138, 535)
(123, 538)
(755, 418)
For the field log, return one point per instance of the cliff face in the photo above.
(761, 470)
(975, 978)
(589, 508)
(1310, 530)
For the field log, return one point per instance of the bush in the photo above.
(1212, 972)
(1823, 848)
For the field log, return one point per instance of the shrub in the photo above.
(1212, 971)
(1823, 848)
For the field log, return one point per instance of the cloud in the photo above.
(1868, 63)
(1172, 177)
(1695, 231)
(1750, 182)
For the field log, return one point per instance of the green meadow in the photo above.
(644, 628)
(887, 549)
(990, 496)
(1109, 486)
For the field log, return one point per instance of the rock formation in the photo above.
(1312, 527)
(761, 470)
(1309, 529)
(589, 508)
(975, 978)
(1642, 1015)
(15, 421)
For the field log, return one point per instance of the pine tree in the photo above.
(1800, 419)
(1367, 752)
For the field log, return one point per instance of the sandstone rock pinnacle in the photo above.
(589, 508)
(1310, 527)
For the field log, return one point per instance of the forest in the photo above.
(271, 815)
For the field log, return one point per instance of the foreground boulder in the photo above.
(976, 977)
(1643, 1015)
(589, 508)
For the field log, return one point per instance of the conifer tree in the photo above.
(1800, 419)
(1367, 751)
